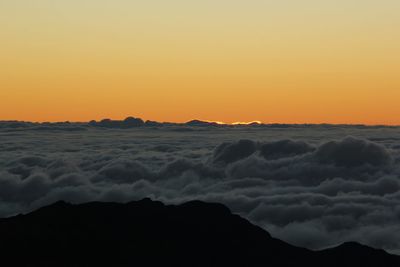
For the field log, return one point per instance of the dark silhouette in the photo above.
(200, 123)
(129, 122)
(149, 233)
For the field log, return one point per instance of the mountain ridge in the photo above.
(136, 122)
(150, 233)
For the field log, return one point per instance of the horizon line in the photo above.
(213, 122)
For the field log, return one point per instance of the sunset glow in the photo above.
(246, 123)
(284, 61)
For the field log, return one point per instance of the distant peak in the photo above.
(201, 123)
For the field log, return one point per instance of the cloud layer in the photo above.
(312, 186)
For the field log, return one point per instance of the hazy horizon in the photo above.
(218, 122)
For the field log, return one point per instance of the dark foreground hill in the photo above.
(149, 233)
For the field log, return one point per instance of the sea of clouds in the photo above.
(312, 186)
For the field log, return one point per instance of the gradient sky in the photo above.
(285, 61)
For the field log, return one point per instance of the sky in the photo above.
(284, 61)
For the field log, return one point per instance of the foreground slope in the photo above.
(149, 233)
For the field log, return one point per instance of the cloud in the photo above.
(285, 148)
(352, 152)
(312, 186)
(13, 188)
(122, 171)
(231, 152)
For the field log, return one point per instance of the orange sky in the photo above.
(283, 61)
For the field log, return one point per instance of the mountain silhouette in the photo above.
(149, 233)
(201, 123)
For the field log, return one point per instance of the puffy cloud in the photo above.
(352, 152)
(231, 152)
(122, 171)
(285, 148)
(311, 186)
(181, 166)
(382, 186)
(13, 188)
